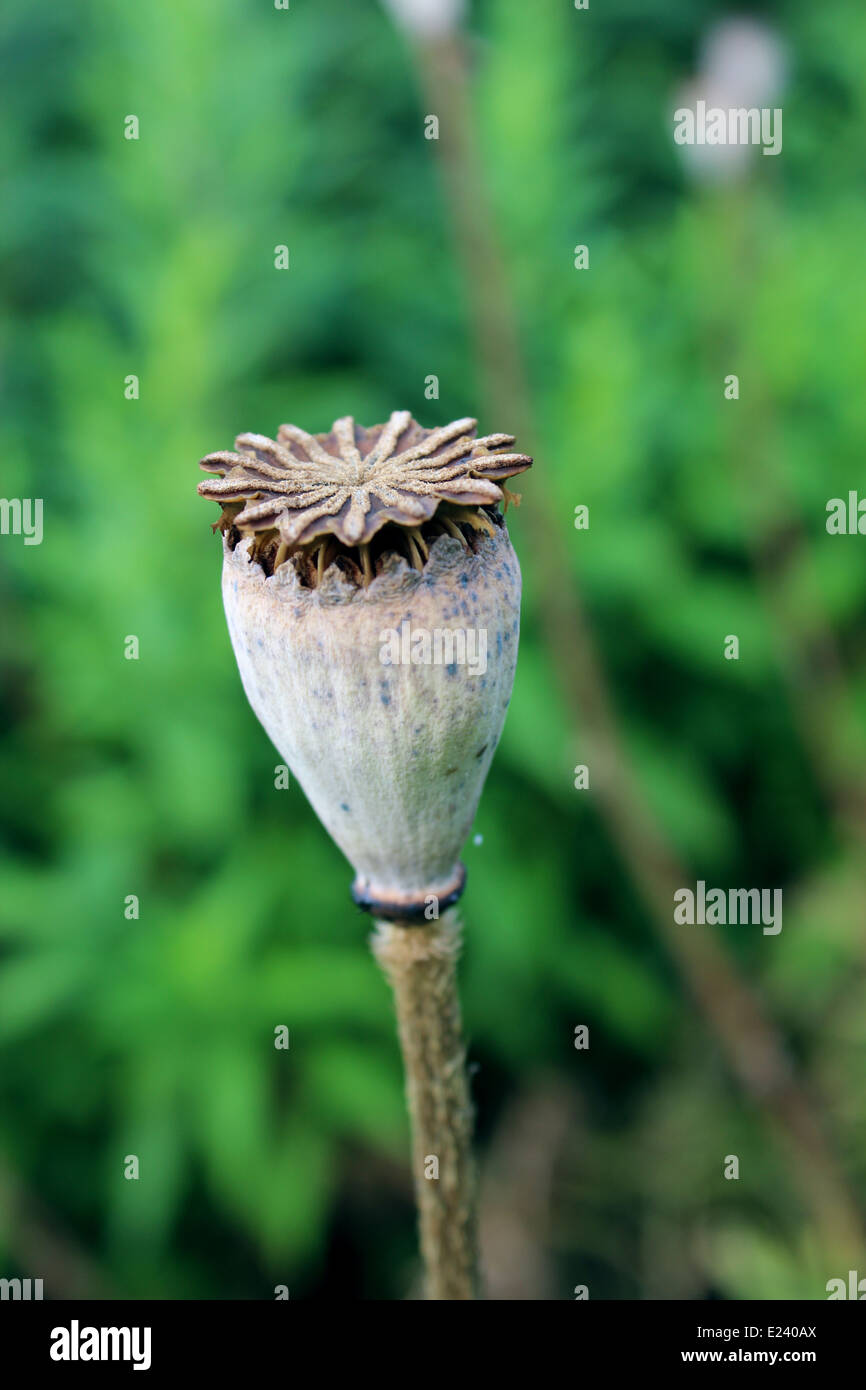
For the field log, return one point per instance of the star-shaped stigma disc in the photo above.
(352, 481)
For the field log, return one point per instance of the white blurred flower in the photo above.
(743, 65)
(746, 60)
(427, 19)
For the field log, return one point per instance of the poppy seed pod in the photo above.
(372, 598)
(391, 751)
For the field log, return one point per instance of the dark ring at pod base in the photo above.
(411, 911)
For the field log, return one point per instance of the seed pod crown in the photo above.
(355, 495)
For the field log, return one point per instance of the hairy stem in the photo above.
(420, 963)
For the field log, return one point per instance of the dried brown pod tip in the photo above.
(354, 495)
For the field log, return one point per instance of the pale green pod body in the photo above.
(390, 744)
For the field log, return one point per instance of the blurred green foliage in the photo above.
(155, 257)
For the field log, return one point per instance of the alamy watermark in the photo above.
(77, 1343)
(21, 1290)
(855, 1287)
(441, 646)
(846, 516)
(738, 125)
(737, 906)
(22, 516)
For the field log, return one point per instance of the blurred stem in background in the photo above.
(749, 1038)
(809, 655)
